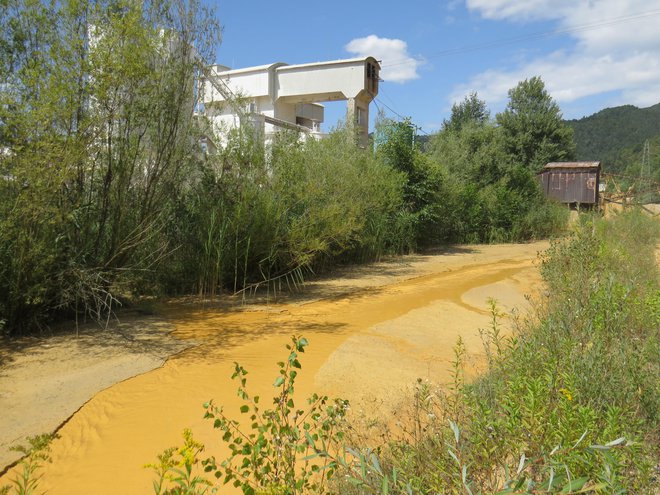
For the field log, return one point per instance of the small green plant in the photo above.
(175, 470)
(36, 454)
(284, 449)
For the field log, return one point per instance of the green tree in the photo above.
(424, 181)
(491, 196)
(471, 110)
(533, 131)
(98, 137)
(611, 134)
(472, 153)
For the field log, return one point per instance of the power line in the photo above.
(391, 109)
(418, 128)
(377, 106)
(387, 96)
(529, 37)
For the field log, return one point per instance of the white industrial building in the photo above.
(281, 96)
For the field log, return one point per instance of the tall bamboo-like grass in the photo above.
(261, 220)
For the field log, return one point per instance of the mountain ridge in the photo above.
(610, 134)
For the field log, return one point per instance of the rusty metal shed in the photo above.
(571, 182)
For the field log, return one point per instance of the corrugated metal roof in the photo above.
(572, 165)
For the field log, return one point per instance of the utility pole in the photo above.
(645, 171)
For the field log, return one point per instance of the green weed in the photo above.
(283, 449)
(175, 470)
(36, 454)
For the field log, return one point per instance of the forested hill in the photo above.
(603, 135)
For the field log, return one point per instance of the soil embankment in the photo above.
(43, 381)
(373, 330)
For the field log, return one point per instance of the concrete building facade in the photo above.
(281, 96)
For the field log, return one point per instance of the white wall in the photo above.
(285, 111)
(312, 111)
(319, 82)
(253, 82)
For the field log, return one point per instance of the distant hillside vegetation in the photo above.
(611, 134)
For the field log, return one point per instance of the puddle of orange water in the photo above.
(102, 447)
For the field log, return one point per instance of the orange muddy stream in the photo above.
(371, 335)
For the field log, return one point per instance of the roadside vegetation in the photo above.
(569, 401)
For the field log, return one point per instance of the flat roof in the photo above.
(285, 66)
(329, 62)
(553, 165)
(256, 68)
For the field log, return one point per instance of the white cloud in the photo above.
(397, 64)
(616, 49)
(519, 10)
(453, 4)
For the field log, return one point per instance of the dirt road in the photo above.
(373, 330)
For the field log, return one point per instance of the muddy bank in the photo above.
(372, 330)
(43, 381)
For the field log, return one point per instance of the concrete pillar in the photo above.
(257, 123)
(350, 111)
(357, 116)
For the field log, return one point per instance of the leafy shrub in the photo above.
(285, 449)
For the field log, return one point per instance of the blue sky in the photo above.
(592, 54)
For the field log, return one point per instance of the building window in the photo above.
(372, 78)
